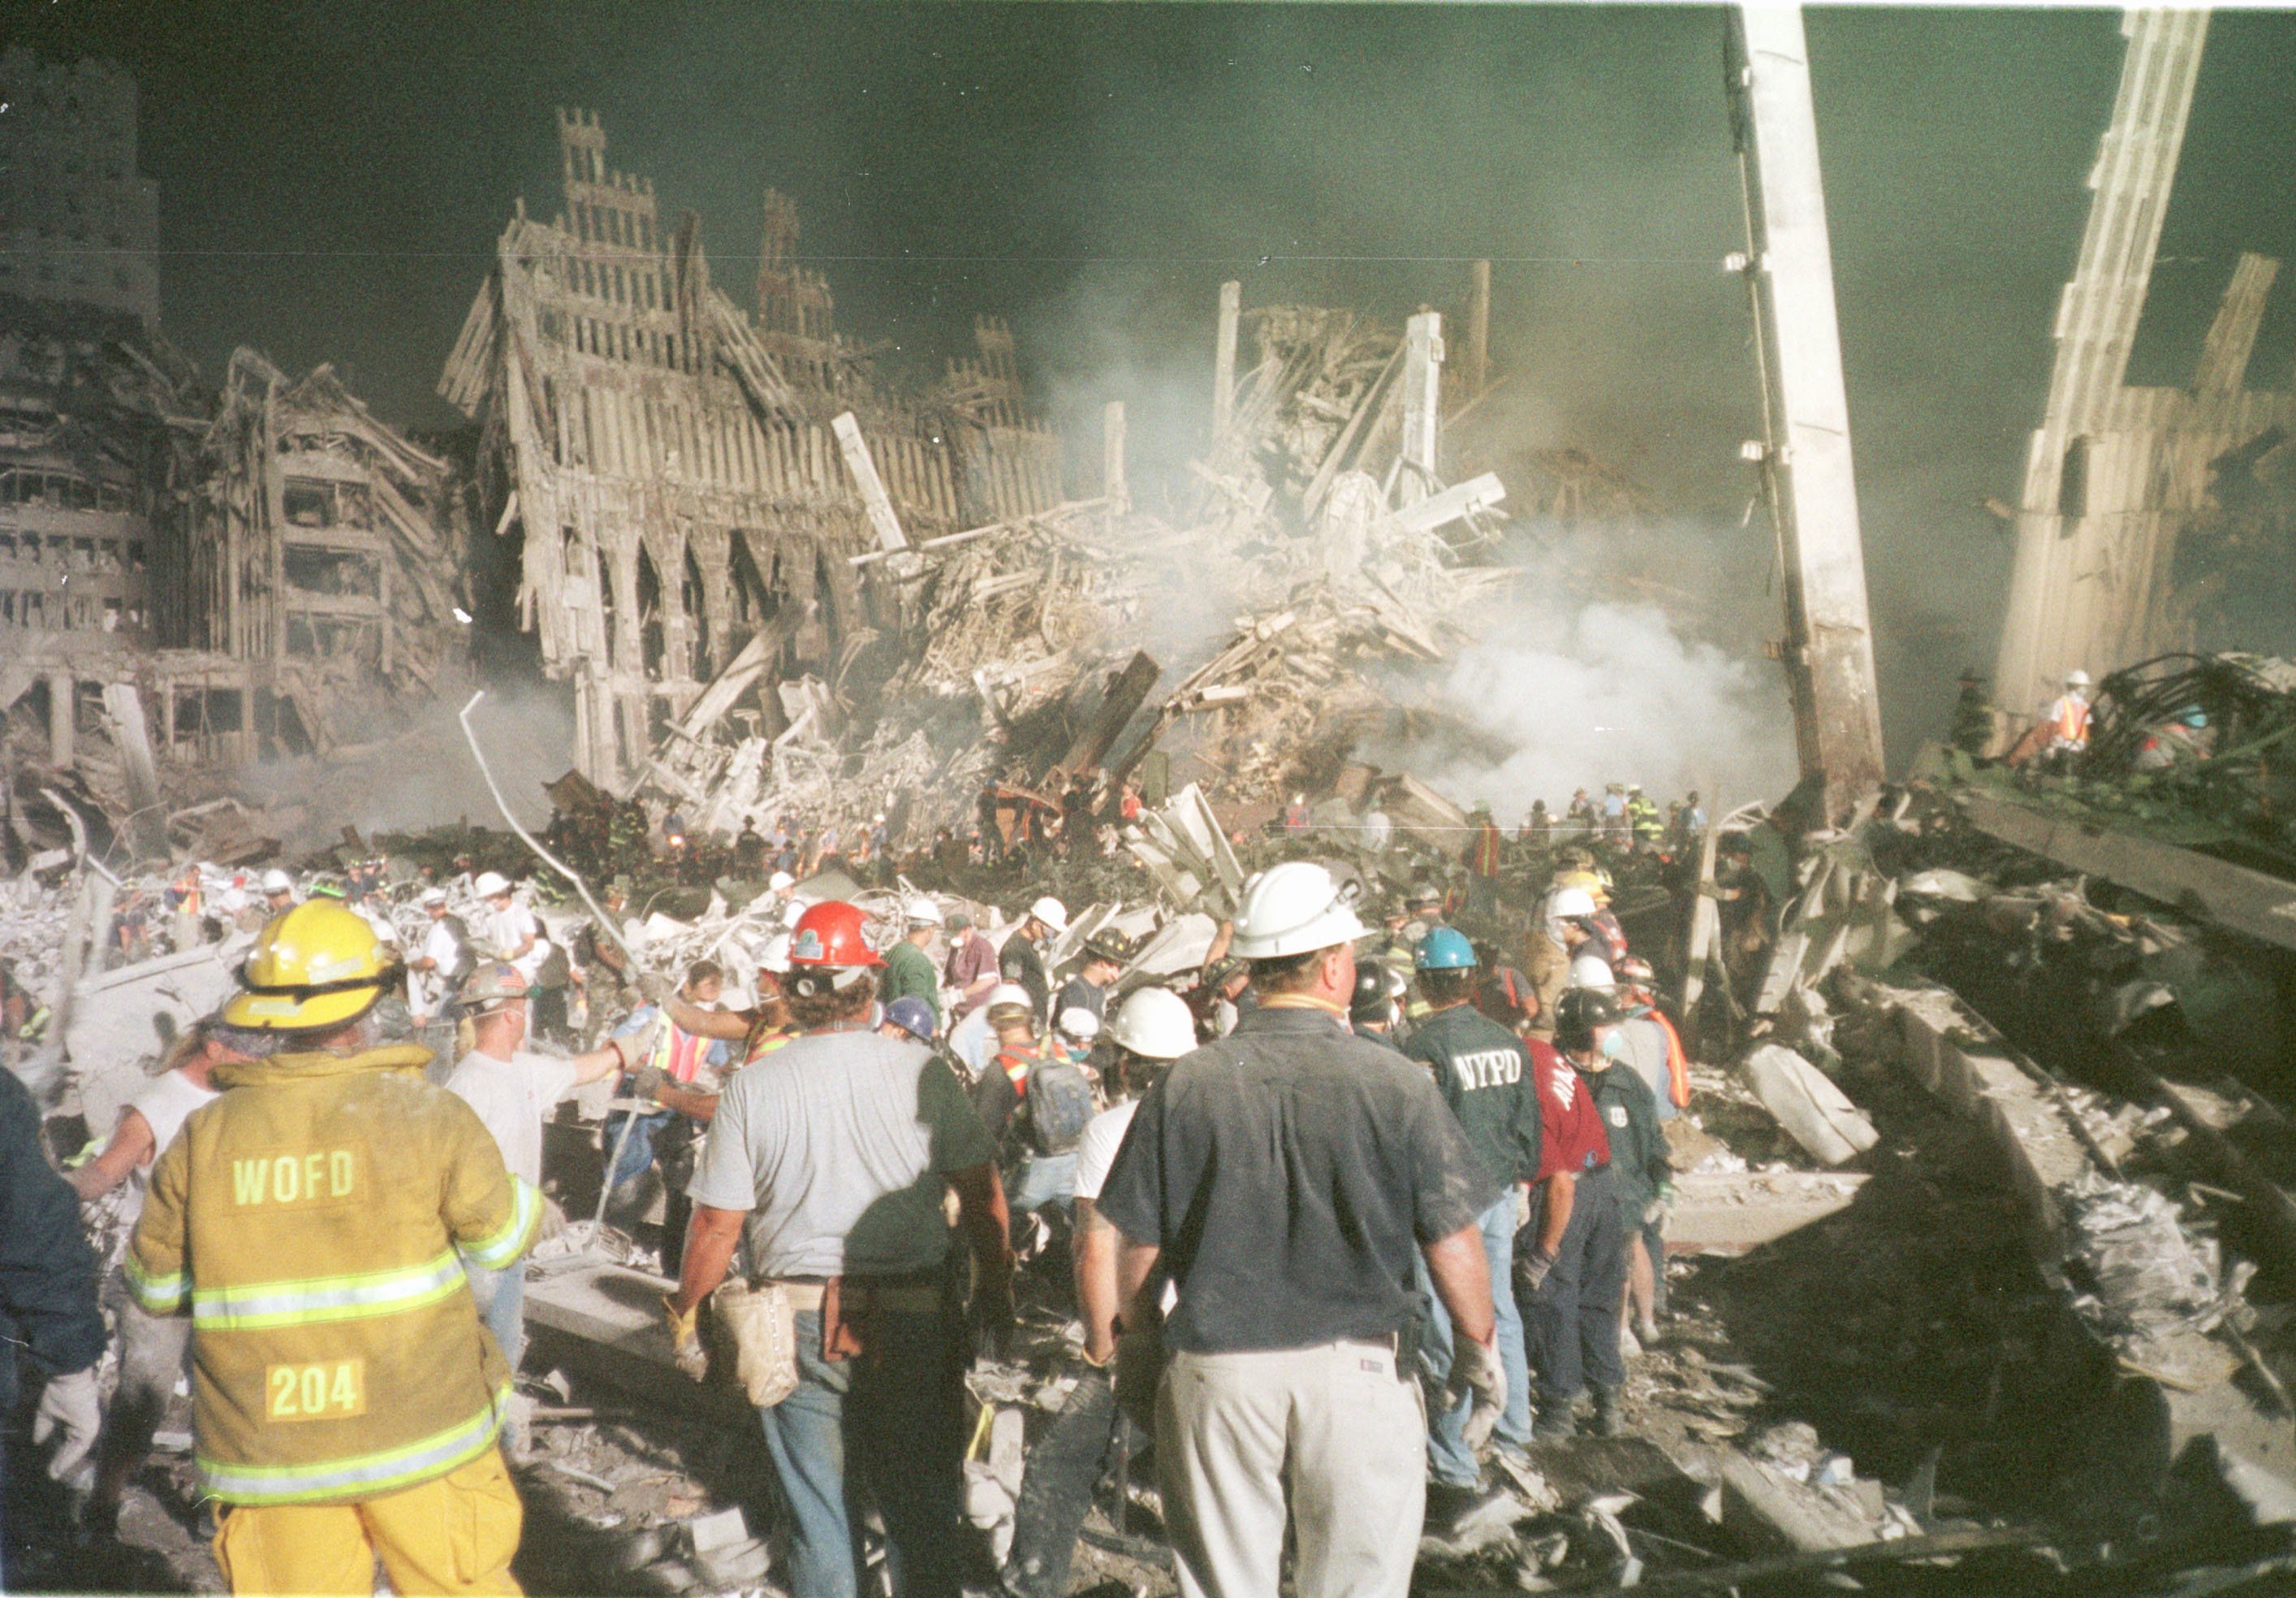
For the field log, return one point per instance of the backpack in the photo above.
(1059, 1102)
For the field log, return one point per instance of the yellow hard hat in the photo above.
(316, 965)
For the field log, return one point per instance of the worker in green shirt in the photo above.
(909, 972)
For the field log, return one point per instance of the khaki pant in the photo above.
(1333, 1434)
(456, 1534)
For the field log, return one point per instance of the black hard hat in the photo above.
(1577, 1013)
(1371, 996)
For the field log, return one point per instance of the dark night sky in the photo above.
(333, 176)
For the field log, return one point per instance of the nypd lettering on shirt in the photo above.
(1487, 1068)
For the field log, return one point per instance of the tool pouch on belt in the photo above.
(760, 1321)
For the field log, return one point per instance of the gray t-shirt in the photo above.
(838, 1144)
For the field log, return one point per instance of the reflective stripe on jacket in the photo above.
(313, 1222)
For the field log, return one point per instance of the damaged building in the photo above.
(682, 471)
(190, 581)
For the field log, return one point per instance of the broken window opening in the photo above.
(697, 616)
(653, 638)
(314, 568)
(307, 501)
(752, 604)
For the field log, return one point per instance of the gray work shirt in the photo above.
(1290, 1173)
(839, 1145)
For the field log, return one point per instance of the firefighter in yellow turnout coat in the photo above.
(312, 1222)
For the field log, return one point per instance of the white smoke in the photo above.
(1588, 692)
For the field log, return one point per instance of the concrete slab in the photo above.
(1734, 1212)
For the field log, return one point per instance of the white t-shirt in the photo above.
(513, 1097)
(440, 946)
(1103, 1134)
(166, 1103)
(507, 928)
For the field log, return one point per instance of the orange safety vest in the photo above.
(1677, 1064)
(1017, 1067)
(2071, 716)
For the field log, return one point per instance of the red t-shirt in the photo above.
(1571, 1133)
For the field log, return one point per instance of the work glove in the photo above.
(685, 1338)
(1476, 1370)
(1530, 1268)
(70, 1412)
(1140, 1360)
(644, 1082)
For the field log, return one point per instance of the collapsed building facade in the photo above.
(189, 581)
(675, 465)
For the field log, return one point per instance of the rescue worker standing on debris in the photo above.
(1570, 1259)
(1483, 1072)
(827, 1164)
(1642, 1177)
(1152, 1028)
(1021, 960)
(313, 1222)
(2068, 717)
(1283, 1180)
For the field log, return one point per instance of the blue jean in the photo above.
(1042, 1179)
(1448, 1459)
(887, 1426)
(501, 1306)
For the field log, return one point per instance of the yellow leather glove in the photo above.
(685, 1338)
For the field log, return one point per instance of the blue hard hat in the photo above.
(1444, 948)
(913, 1016)
(2196, 719)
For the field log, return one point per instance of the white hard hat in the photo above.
(2077, 678)
(922, 911)
(1079, 1023)
(276, 880)
(1570, 901)
(780, 879)
(1155, 1023)
(1052, 913)
(491, 884)
(1009, 993)
(433, 895)
(1291, 909)
(773, 954)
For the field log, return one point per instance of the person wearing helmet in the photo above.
(1106, 954)
(1642, 1186)
(679, 1071)
(2067, 719)
(1485, 851)
(1282, 1180)
(1373, 1011)
(909, 1019)
(1076, 1031)
(1022, 959)
(1569, 1258)
(336, 1434)
(970, 969)
(909, 972)
(2181, 742)
(1482, 1070)
(441, 960)
(1222, 996)
(1150, 1030)
(515, 1090)
(1644, 1042)
(278, 891)
(828, 1169)
(1571, 913)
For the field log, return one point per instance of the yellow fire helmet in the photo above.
(316, 965)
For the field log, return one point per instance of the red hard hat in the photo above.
(830, 934)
